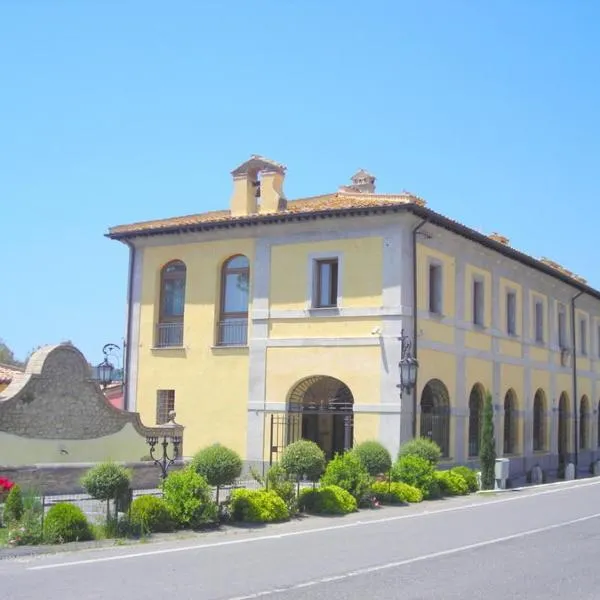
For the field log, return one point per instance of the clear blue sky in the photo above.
(118, 111)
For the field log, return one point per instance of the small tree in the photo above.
(374, 456)
(218, 465)
(487, 454)
(13, 507)
(303, 459)
(107, 481)
(422, 447)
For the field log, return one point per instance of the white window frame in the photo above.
(311, 287)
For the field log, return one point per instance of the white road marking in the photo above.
(277, 536)
(410, 561)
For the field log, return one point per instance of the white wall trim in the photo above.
(281, 407)
(133, 342)
(322, 342)
(311, 287)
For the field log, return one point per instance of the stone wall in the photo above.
(65, 478)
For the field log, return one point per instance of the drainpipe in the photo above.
(128, 326)
(574, 377)
(415, 231)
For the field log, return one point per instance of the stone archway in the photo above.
(435, 414)
(325, 409)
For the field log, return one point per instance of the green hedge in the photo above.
(396, 492)
(423, 448)
(347, 471)
(418, 472)
(451, 483)
(257, 506)
(374, 456)
(149, 514)
(469, 476)
(327, 500)
(64, 523)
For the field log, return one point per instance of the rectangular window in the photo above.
(165, 403)
(539, 322)
(583, 337)
(326, 283)
(435, 289)
(562, 328)
(478, 302)
(511, 313)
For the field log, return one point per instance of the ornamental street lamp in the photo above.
(106, 368)
(408, 365)
(172, 435)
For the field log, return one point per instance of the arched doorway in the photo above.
(563, 425)
(435, 414)
(476, 398)
(324, 409)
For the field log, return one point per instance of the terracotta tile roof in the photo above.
(8, 373)
(315, 204)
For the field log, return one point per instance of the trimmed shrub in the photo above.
(423, 448)
(451, 483)
(396, 492)
(218, 464)
(347, 471)
(13, 507)
(107, 481)
(487, 452)
(279, 481)
(149, 514)
(469, 476)
(303, 459)
(374, 456)
(64, 523)
(418, 472)
(327, 500)
(189, 499)
(257, 506)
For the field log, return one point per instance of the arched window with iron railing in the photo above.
(172, 305)
(232, 327)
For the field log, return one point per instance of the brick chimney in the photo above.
(257, 187)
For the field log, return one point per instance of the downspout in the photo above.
(415, 299)
(574, 377)
(128, 325)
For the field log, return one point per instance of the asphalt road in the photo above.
(534, 544)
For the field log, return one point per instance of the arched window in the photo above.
(584, 423)
(172, 304)
(235, 285)
(510, 422)
(539, 421)
(475, 418)
(435, 414)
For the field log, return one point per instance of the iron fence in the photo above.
(233, 332)
(169, 335)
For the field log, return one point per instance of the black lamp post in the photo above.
(409, 365)
(171, 435)
(106, 368)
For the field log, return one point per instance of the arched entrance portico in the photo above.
(322, 411)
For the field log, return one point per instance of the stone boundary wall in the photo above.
(65, 478)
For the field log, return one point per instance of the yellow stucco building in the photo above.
(277, 319)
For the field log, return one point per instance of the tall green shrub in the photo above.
(347, 471)
(487, 453)
(13, 507)
(107, 481)
(303, 459)
(218, 464)
(422, 447)
(374, 456)
(418, 472)
(189, 498)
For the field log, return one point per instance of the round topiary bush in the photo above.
(422, 447)
(374, 456)
(396, 492)
(107, 481)
(303, 459)
(189, 499)
(469, 476)
(327, 500)
(257, 506)
(64, 523)
(149, 514)
(218, 464)
(347, 471)
(451, 483)
(418, 472)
